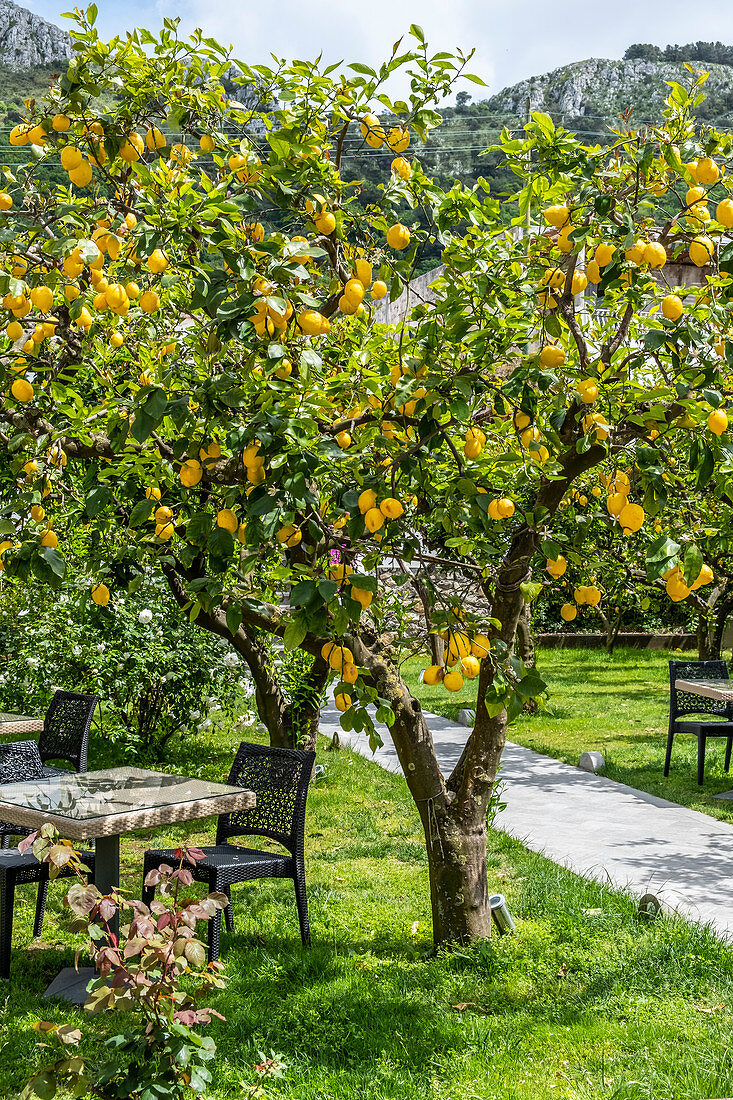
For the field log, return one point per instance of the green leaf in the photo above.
(234, 617)
(142, 511)
(661, 556)
(357, 67)
(55, 561)
(142, 426)
(97, 500)
(44, 1084)
(295, 632)
(655, 338)
(530, 590)
(302, 593)
(692, 565)
(220, 543)
(156, 403)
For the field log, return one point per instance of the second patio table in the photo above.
(102, 805)
(19, 724)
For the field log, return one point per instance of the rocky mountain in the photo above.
(601, 88)
(29, 42)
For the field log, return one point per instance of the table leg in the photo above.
(70, 984)
(107, 869)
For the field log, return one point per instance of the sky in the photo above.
(513, 39)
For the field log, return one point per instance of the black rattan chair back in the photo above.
(66, 728)
(687, 702)
(279, 778)
(20, 761)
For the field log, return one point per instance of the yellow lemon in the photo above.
(556, 215)
(672, 307)
(191, 473)
(398, 237)
(100, 594)
(157, 261)
(22, 390)
(717, 422)
(701, 251)
(453, 681)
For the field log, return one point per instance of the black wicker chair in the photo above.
(66, 728)
(20, 761)
(279, 778)
(720, 723)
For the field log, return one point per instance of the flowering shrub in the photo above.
(157, 673)
(155, 972)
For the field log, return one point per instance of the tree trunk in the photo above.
(437, 646)
(302, 715)
(459, 892)
(722, 614)
(454, 825)
(525, 641)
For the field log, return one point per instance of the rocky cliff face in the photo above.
(27, 41)
(598, 88)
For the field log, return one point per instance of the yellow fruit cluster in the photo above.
(461, 650)
(676, 586)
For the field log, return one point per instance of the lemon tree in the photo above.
(194, 382)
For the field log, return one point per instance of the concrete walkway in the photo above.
(594, 826)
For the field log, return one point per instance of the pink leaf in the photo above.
(26, 843)
(107, 909)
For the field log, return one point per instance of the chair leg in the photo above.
(728, 747)
(41, 898)
(228, 912)
(214, 936)
(301, 900)
(700, 759)
(7, 898)
(668, 756)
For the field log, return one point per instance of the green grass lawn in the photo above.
(618, 705)
(585, 1000)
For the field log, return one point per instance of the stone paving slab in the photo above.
(596, 827)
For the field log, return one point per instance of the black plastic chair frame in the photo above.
(280, 778)
(20, 761)
(685, 702)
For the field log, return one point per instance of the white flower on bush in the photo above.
(145, 616)
(34, 662)
(205, 724)
(101, 647)
(231, 660)
(194, 714)
(76, 650)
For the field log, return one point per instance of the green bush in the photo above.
(158, 674)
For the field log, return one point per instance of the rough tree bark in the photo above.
(525, 641)
(289, 724)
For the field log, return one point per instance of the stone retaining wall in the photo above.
(634, 640)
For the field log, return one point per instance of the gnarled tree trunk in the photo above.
(525, 641)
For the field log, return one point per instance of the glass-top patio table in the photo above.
(722, 690)
(102, 805)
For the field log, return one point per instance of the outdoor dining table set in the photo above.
(264, 795)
